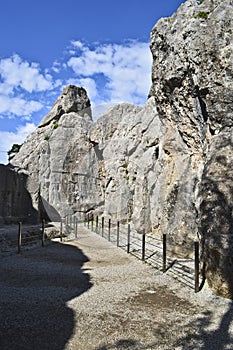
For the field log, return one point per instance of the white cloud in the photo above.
(56, 67)
(77, 44)
(23, 87)
(122, 72)
(7, 139)
(18, 106)
(16, 73)
(110, 73)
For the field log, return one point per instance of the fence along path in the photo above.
(148, 247)
(19, 237)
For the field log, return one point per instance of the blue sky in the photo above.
(46, 44)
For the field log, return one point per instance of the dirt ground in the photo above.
(87, 294)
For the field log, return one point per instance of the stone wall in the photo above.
(15, 200)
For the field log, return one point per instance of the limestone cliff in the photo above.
(166, 166)
(50, 154)
(192, 86)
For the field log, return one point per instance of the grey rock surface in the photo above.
(192, 86)
(15, 199)
(73, 99)
(56, 155)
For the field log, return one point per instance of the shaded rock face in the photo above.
(216, 213)
(15, 200)
(166, 166)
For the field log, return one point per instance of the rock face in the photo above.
(50, 154)
(166, 166)
(15, 200)
(73, 99)
(192, 85)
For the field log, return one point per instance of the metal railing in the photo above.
(149, 248)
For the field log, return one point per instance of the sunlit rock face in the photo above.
(56, 155)
(166, 166)
(192, 86)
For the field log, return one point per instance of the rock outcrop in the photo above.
(192, 86)
(50, 154)
(15, 200)
(166, 166)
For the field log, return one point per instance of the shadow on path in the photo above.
(206, 339)
(198, 336)
(35, 288)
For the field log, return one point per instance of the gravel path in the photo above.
(87, 294)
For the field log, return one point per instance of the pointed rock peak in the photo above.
(73, 99)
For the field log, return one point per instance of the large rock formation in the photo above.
(192, 85)
(166, 166)
(50, 154)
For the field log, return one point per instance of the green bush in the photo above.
(202, 14)
(55, 124)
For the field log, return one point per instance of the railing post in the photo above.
(118, 233)
(43, 232)
(196, 263)
(143, 245)
(164, 252)
(76, 227)
(97, 224)
(102, 226)
(88, 221)
(92, 221)
(61, 230)
(109, 229)
(20, 237)
(128, 239)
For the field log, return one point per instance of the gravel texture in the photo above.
(86, 294)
